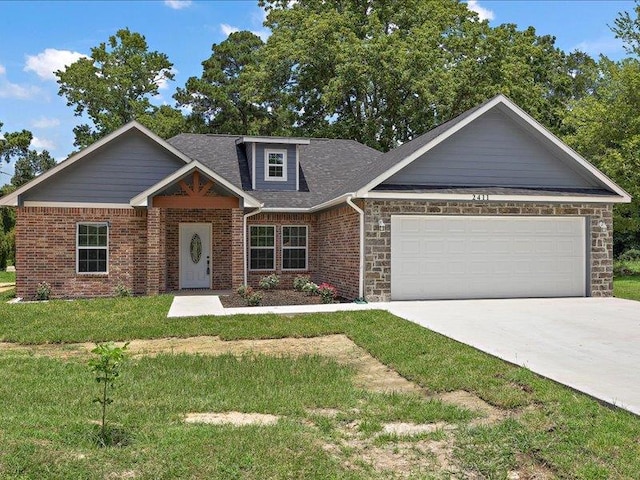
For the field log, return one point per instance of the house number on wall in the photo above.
(480, 196)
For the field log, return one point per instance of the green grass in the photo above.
(7, 277)
(570, 433)
(627, 287)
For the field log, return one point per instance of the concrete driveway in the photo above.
(590, 344)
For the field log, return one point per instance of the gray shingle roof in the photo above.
(326, 166)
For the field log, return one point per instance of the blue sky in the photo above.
(37, 38)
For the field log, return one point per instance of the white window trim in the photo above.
(267, 177)
(78, 247)
(306, 249)
(263, 248)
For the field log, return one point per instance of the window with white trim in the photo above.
(92, 248)
(275, 165)
(262, 247)
(294, 247)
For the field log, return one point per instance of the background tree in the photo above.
(220, 100)
(605, 127)
(384, 72)
(114, 86)
(14, 146)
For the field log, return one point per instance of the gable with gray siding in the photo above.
(260, 182)
(493, 150)
(114, 173)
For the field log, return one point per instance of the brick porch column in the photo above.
(237, 259)
(155, 251)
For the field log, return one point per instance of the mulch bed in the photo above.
(271, 298)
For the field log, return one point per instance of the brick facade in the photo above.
(339, 249)
(46, 251)
(279, 220)
(378, 243)
(144, 244)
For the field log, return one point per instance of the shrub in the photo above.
(620, 269)
(106, 369)
(44, 291)
(327, 292)
(631, 255)
(310, 288)
(4, 250)
(122, 291)
(300, 281)
(254, 300)
(269, 282)
(244, 291)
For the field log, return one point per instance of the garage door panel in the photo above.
(487, 257)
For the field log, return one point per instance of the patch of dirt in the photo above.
(408, 429)
(468, 400)
(529, 469)
(371, 374)
(272, 298)
(233, 418)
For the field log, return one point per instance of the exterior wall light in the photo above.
(382, 225)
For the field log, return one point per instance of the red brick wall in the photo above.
(280, 219)
(338, 249)
(46, 251)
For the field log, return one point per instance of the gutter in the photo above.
(361, 263)
(244, 238)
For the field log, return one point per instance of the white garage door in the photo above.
(442, 257)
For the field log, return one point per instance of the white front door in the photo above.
(195, 255)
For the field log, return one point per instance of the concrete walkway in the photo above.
(195, 306)
(589, 344)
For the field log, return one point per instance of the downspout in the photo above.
(244, 238)
(361, 266)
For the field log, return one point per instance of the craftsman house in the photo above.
(487, 205)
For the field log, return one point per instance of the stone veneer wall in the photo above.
(46, 251)
(278, 220)
(378, 243)
(339, 249)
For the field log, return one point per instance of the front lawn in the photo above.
(47, 402)
(7, 277)
(627, 287)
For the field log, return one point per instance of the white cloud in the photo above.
(50, 60)
(178, 4)
(603, 45)
(228, 29)
(40, 144)
(44, 122)
(162, 82)
(483, 13)
(13, 90)
(3, 70)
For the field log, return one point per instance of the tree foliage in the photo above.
(605, 127)
(220, 100)
(114, 86)
(30, 165)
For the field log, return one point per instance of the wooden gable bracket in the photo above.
(196, 197)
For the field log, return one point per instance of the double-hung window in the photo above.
(275, 165)
(262, 251)
(92, 248)
(294, 247)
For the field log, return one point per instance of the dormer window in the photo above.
(275, 165)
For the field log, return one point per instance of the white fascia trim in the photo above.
(494, 198)
(76, 204)
(11, 200)
(315, 208)
(297, 172)
(281, 140)
(500, 99)
(140, 200)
